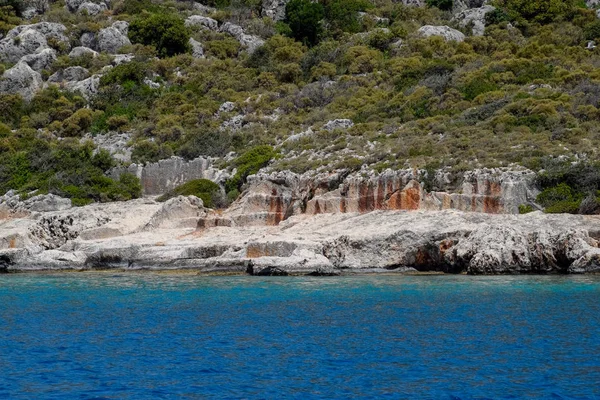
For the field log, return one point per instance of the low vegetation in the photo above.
(208, 191)
(527, 93)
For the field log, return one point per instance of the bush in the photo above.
(445, 5)
(542, 11)
(166, 32)
(525, 209)
(248, 164)
(304, 20)
(342, 15)
(207, 190)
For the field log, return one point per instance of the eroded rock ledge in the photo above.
(143, 234)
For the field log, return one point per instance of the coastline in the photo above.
(173, 237)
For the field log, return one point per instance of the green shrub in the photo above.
(543, 11)
(166, 32)
(148, 152)
(248, 164)
(441, 4)
(207, 190)
(342, 15)
(304, 20)
(525, 209)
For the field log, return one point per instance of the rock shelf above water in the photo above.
(143, 234)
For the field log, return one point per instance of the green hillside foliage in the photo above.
(526, 93)
(208, 191)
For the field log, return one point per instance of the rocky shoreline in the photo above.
(174, 236)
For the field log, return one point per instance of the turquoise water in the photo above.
(101, 336)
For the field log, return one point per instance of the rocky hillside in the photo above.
(363, 89)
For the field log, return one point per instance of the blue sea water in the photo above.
(141, 336)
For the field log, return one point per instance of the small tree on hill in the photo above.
(167, 33)
(304, 18)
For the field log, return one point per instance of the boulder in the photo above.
(249, 42)
(474, 17)
(111, 39)
(274, 9)
(35, 7)
(414, 3)
(200, 21)
(21, 79)
(449, 34)
(226, 107)
(178, 212)
(82, 52)
(123, 59)
(29, 39)
(89, 40)
(87, 87)
(46, 203)
(70, 74)
(92, 8)
(40, 60)
(197, 49)
(76, 5)
(338, 124)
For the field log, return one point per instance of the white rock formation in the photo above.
(21, 79)
(201, 21)
(41, 60)
(249, 42)
(30, 39)
(82, 51)
(474, 17)
(338, 124)
(197, 48)
(70, 74)
(111, 39)
(274, 9)
(446, 32)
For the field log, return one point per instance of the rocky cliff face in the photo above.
(160, 177)
(142, 234)
(272, 198)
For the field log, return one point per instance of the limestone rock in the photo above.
(76, 5)
(87, 87)
(123, 59)
(35, 7)
(338, 124)
(274, 9)
(446, 32)
(198, 20)
(111, 39)
(226, 107)
(92, 8)
(414, 3)
(47, 202)
(250, 42)
(82, 52)
(21, 79)
(164, 175)
(474, 17)
(40, 60)
(29, 39)
(89, 40)
(197, 49)
(70, 74)
(178, 212)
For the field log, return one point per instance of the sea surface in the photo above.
(144, 336)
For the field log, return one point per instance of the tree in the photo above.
(441, 4)
(542, 11)
(166, 32)
(304, 18)
(342, 15)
